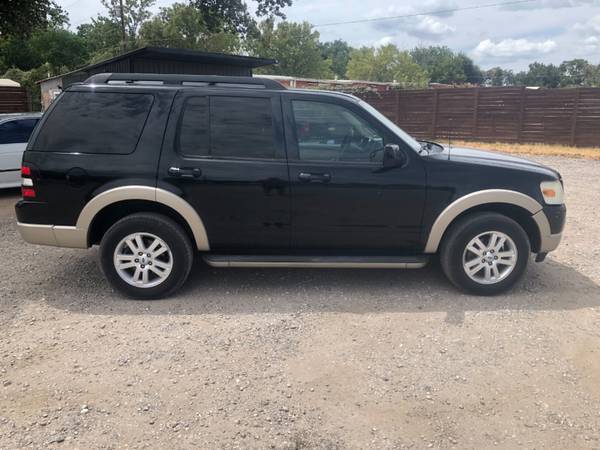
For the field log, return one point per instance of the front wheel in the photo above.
(146, 255)
(485, 253)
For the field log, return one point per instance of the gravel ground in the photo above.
(274, 358)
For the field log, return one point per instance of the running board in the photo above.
(351, 262)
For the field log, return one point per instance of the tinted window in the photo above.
(239, 127)
(329, 132)
(193, 136)
(95, 122)
(17, 131)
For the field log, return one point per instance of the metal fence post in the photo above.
(574, 117)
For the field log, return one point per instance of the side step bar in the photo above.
(359, 262)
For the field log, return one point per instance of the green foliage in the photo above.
(338, 52)
(497, 76)
(54, 46)
(540, 74)
(577, 72)
(386, 64)
(294, 45)
(232, 15)
(20, 17)
(102, 37)
(182, 26)
(444, 66)
(135, 12)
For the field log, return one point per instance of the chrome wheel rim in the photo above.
(143, 260)
(490, 257)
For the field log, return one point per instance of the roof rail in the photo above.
(183, 80)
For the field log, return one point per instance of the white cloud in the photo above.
(591, 26)
(510, 48)
(383, 41)
(428, 27)
(554, 4)
(591, 44)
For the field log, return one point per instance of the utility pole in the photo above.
(122, 24)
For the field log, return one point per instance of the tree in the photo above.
(473, 73)
(57, 47)
(102, 37)
(497, 76)
(444, 66)
(233, 16)
(540, 74)
(386, 64)
(338, 52)
(294, 45)
(592, 75)
(573, 72)
(135, 12)
(183, 26)
(20, 17)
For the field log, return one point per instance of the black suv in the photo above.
(251, 174)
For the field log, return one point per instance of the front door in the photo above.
(343, 199)
(225, 154)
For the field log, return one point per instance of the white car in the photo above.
(15, 130)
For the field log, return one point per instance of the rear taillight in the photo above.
(27, 190)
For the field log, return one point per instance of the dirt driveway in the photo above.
(304, 358)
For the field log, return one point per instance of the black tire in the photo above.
(177, 240)
(460, 235)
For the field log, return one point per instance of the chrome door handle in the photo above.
(186, 172)
(314, 177)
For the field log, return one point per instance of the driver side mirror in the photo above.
(393, 156)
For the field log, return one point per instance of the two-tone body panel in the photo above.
(285, 202)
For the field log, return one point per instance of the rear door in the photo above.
(224, 153)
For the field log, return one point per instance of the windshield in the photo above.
(392, 126)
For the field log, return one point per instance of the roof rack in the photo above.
(153, 79)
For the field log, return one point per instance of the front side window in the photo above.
(226, 127)
(330, 132)
(95, 122)
(16, 131)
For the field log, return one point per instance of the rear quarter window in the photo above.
(95, 122)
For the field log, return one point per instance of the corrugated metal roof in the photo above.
(176, 54)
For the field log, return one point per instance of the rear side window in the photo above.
(95, 122)
(16, 131)
(193, 136)
(222, 127)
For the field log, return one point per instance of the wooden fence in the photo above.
(511, 114)
(13, 100)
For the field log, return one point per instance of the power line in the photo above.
(430, 13)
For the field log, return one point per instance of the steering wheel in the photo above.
(373, 153)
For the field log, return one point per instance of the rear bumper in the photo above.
(56, 235)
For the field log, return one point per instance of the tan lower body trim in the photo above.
(55, 235)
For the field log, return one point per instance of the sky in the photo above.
(510, 36)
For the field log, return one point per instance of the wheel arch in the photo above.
(111, 205)
(516, 205)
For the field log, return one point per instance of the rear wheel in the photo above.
(146, 256)
(485, 253)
